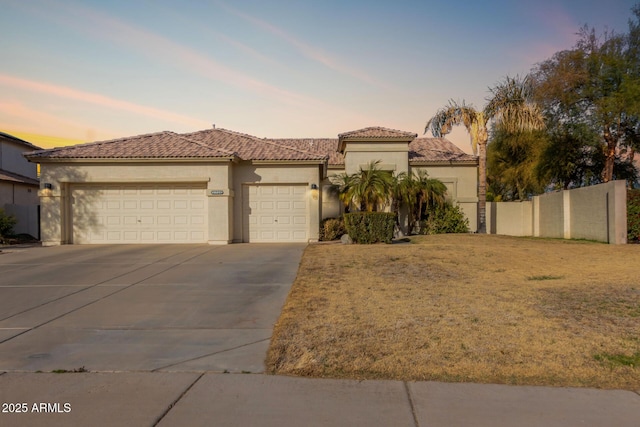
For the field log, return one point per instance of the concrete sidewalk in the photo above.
(197, 399)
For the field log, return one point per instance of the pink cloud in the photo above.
(15, 115)
(97, 99)
(96, 24)
(151, 44)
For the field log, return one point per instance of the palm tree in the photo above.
(370, 189)
(405, 194)
(510, 107)
(342, 184)
(417, 192)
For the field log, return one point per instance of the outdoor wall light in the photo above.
(314, 191)
(48, 186)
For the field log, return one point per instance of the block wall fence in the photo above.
(596, 213)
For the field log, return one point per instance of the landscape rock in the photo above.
(346, 239)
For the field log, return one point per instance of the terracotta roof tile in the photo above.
(436, 150)
(325, 146)
(159, 145)
(377, 132)
(217, 143)
(253, 148)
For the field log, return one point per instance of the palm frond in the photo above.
(511, 105)
(455, 114)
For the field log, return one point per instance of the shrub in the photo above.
(633, 215)
(7, 222)
(332, 229)
(445, 219)
(370, 227)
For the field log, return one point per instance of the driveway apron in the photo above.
(142, 307)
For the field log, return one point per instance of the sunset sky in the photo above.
(76, 71)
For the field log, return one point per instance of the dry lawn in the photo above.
(473, 308)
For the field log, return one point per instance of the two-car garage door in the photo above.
(143, 213)
(178, 213)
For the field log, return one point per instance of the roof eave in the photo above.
(443, 162)
(297, 162)
(35, 159)
(342, 141)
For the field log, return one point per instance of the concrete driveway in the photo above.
(142, 307)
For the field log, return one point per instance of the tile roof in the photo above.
(253, 148)
(377, 132)
(159, 145)
(17, 178)
(426, 150)
(324, 146)
(222, 143)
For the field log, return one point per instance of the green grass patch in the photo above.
(614, 360)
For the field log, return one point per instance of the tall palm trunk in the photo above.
(482, 180)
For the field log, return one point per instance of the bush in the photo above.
(7, 222)
(633, 216)
(370, 227)
(445, 219)
(332, 229)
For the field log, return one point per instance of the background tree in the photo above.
(512, 162)
(572, 157)
(594, 86)
(510, 107)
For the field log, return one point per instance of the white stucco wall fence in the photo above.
(596, 213)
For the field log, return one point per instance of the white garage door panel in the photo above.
(275, 213)
(149, 213)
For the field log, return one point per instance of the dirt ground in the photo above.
(473, 308)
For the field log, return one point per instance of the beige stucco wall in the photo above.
(55, 203)
(597, 212)
(274, 173)
(516, 218)
(393, 156)
(226, 210)
(462, 187)
(549, 215)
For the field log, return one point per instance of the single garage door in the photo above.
(145, 213)
(275, 213)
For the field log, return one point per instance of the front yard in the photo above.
(471, 308)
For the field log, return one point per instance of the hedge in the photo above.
(331, 229)
(633, 215)
(370, 227)
(445, 219)
(7, 222)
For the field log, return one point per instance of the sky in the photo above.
(80, 71)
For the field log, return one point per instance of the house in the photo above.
(19, 184)
(220, 186)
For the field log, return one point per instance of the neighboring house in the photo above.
(19, 184)
(220, 186)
